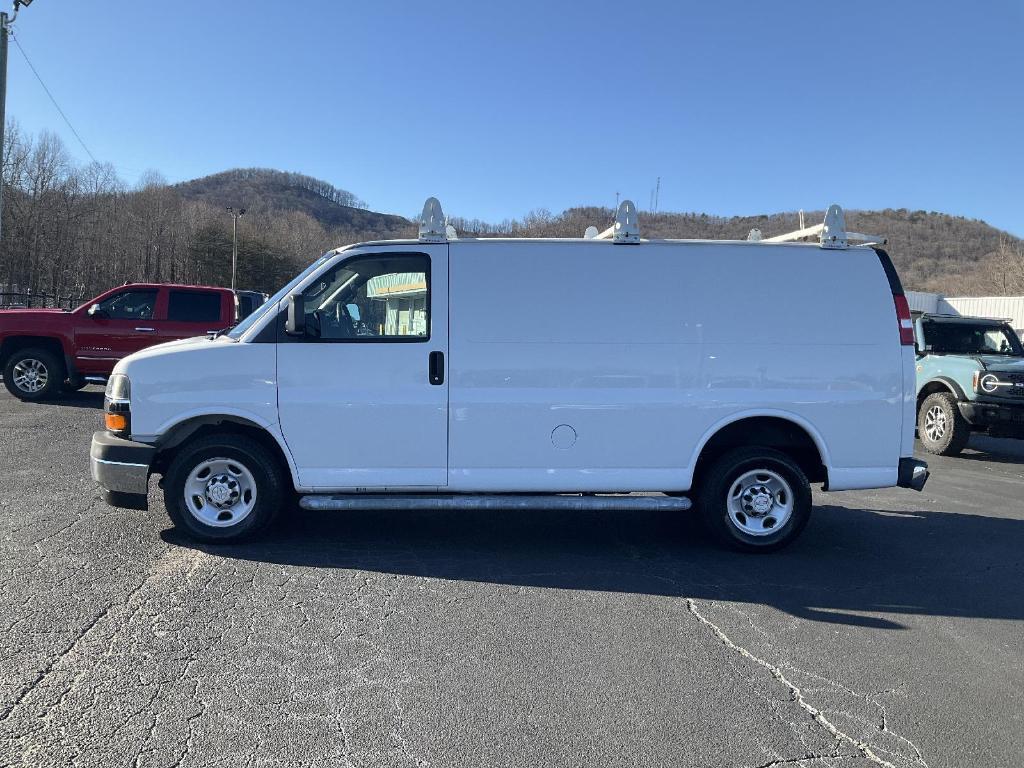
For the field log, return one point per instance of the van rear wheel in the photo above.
(755, 499)
(223, 488)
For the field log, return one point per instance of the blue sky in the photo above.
(500, 108)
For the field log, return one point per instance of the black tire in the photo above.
(948, 435)
(726, 523)
(42, 362)
(271, 488)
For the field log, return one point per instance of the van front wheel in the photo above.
(223, 488)
(755, 499)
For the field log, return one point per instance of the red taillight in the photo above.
(905, 321)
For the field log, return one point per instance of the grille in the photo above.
(1018, 380)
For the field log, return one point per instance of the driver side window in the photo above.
(371, 298)
(130, 305)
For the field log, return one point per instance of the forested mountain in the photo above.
(267, 189)
(78, 230)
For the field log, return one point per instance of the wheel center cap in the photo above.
(219, 494)
(762, 503)
(222, 491)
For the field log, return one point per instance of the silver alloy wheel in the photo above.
(935, 423)
(220, 492)
(30, 375)
(760, 502)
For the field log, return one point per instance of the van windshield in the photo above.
(270, 305)
(960, 338)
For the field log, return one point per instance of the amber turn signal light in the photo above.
(116, 422)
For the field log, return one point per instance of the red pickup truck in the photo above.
(45, 351)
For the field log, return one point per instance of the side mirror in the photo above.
(96, 311)
(295, 324)
(353, 312)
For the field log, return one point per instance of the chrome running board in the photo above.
(370, 502)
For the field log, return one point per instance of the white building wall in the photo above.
(920, 301)
(1010, 307)
(1002, 307)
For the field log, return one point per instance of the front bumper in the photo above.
(121, 467)
(912, 473)
(1002, 417)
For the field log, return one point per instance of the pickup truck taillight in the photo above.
(117, 417)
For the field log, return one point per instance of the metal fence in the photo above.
(28, 300)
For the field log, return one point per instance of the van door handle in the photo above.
(437, 367)
(146, 330)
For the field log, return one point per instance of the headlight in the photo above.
(119, 387)
(989, 383)
(117, 405)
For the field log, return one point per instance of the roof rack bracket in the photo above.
(432, 223)
(833, 230)
(831, 233)
(627, 228)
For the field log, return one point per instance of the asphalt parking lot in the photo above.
(891, 633)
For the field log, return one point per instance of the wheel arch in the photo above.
(780, 430)
(941, 384)
(174, 437)
(13, 344)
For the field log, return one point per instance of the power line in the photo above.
(55, 104)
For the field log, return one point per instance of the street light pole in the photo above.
(5, 31)
(234, 241)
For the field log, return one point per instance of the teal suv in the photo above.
(970, 378)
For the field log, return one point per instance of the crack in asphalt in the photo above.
(805, 759)
(796, 695)
(76, 640)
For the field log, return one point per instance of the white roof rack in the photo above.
(831, 232)
(626, 228)
(432, 223)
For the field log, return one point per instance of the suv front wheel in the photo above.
(940, 425)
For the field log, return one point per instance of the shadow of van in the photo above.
(848, 563)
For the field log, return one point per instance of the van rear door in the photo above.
(363, 395)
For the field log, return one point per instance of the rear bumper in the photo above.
(121, 467)
(1006, 417)
(913, 473)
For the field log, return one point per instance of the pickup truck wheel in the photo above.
(940, 425)
(223, 488)
(33, 374)
(755, 499)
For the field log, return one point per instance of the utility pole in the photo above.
(5, 23)
(5, 32)
(234, 241)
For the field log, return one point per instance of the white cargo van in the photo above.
(603, 372)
